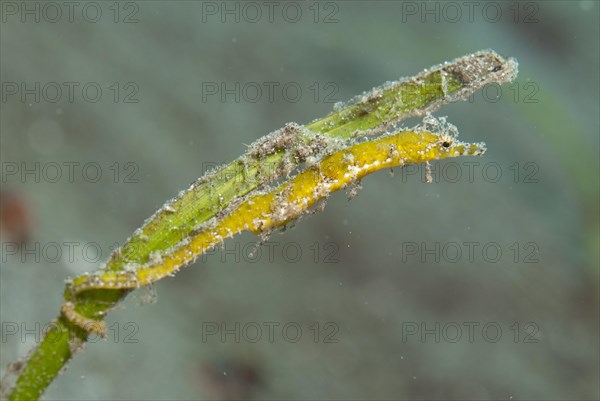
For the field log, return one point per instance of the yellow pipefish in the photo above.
(261, 212)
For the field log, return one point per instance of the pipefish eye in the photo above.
(446, 144)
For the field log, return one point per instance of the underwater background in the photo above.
(480, 285)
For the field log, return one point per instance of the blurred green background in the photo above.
(365, 292)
